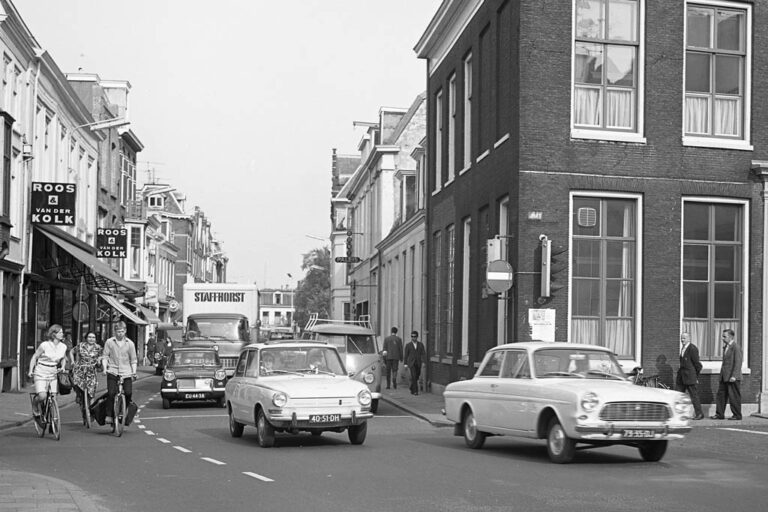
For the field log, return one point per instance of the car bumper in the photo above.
(192, 394)
(633, 432)
(298, 421)
(375, 395)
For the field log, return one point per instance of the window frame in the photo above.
(467, 114)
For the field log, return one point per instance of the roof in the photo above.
(342, 329)
(549, 344)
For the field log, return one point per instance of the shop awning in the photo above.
(149, 314)
(127, 313)
(101, 277)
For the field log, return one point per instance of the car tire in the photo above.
(560, 447)
(166, 403)
(472, 436)
(357, 433)
(374, 405)
(652, 451)
(235, 427)
(265, 432)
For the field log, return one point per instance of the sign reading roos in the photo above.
(219, 296)
(112, 242)
(53, 203)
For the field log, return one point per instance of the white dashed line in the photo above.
(142, 427)
(747, 431)
(258, 476)
(214, 461)
(182, 449)
(149, 432)
(161, 439)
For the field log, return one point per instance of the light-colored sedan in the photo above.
(567, 394)
(295, 386)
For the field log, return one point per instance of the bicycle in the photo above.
(652, 381)
(120, 407)
(49, 418)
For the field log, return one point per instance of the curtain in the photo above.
(619, 109)
(696, 114)
(586, 330)
(587, 106)
(726, 117)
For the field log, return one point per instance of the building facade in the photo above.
(276, 308)
(342, 168)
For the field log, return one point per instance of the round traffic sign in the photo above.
(80, 311)
(173, 305)
(500, 276)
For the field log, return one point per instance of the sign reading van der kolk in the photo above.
(112, 242)
(53, 203)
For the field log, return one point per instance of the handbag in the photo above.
(65, 382)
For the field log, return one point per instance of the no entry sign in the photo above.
(500, 276)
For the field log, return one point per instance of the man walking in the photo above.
(415, 356)
(688, 374)
(393, 354)
(729, 389)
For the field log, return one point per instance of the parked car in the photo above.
(565, 393)
(295, 386)
(193, 373)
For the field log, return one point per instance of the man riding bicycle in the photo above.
(119, 362)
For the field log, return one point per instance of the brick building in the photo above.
(632, 134)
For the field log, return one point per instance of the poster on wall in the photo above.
(53, 203)
(112, 242)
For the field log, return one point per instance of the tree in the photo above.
(313, 293)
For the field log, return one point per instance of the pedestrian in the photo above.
(415, 355)
(393, 354)
(688, 374)
(46, 361)
(149, 350)
(120, 362)
(87, 357)
(729, 388)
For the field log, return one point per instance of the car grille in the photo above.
(635, 411)
(306, 403)
(228, 362)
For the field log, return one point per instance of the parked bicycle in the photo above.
(652, 381)
(49, 418)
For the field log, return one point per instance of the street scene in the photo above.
(463, 255)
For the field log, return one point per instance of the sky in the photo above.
(239, 103)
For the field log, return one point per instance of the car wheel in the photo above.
(653, 451)
(166, 403)
(374, 405)
(560, 447)
(235, 427)
(264, 430)
(357, 433)
(473, 437)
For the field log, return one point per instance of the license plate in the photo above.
(192, 396)
(324, 418)
(638, 433)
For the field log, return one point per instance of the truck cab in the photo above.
(227, 332)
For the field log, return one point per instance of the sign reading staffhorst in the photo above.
(53, 203)
(112, 242)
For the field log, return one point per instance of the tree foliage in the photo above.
(313, 293)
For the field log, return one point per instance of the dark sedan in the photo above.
(193, 373)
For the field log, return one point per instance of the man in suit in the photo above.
(729, 389)
(393, 354)
(688, 374)
(415, 356)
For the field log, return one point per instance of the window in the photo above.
(452, 127)
(450, 294)
(135, 252)
(492, 366)
(717, 71)
(436, 277)
(155, 201)
(713, 273)
(467, 111)
(465, 266)
(604, 263)
(5, 165)
(607, 67)
(438, 140)
(409, 195)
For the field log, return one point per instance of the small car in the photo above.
(295, 386)
(194, 373)
(565, 393)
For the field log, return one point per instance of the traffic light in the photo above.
(553, 262)
(349, 246)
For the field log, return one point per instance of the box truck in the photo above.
(221, 315)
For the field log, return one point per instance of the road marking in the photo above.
(258, 476)
(142, 427)
(149, 432)
(182, 449)
(214, 461)
(181, 417)
(747, 431)
(161, 439)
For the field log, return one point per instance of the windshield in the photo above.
(352, 343)
(217, 329)
(576, 363)
(197, 358)
(298, 360)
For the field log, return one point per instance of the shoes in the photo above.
(716, 417)
(395, 386)
(736, 418)
(699, 417)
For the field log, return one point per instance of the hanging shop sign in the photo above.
(53, 203)
(112, 242)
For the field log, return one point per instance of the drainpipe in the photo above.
(760, 169)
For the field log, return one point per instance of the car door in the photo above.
(515, 403)
(485, 397)
(236, 385)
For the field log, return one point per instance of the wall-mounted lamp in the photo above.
(26, 149)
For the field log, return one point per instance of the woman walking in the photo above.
(47, 359)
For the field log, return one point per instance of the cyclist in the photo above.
(87, 356)
(119, 362)
(47, 359)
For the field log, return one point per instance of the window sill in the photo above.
(446, 360)
(445, 185)
(607, 136)
(715, 143)
(465, 169)
(483, 155)
(713, 368)
(501, 141)
(464, 361)
(435, 192)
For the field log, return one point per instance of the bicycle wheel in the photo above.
(53, 418)
(119, 417)
(40, 425)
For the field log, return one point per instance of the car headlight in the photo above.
(364, 397)
(220, 375)
(279, 399)
(369, 378)
(169, 375)
(683, 405)
(589, 402)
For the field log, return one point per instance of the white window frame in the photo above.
(451, 128)
(466, 265)
(714, 141)
(467, 113)
(438, 141)
(636, 136)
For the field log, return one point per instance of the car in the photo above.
(168, 337)
(295, 386)
(568, 394)
(193, 373)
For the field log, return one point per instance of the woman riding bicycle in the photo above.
(45, 363)
(87, 357)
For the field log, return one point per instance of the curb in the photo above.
(414, 412)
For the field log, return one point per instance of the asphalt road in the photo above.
(184, 459)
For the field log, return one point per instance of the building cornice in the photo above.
(444, 30)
